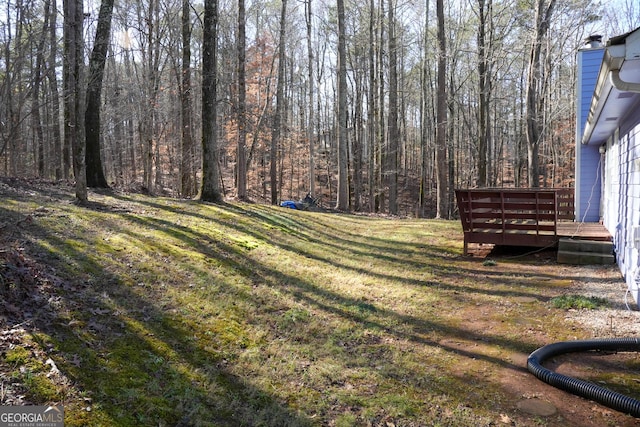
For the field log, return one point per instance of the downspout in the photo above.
(621, 85)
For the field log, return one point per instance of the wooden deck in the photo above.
(583, 231)
(522, 217)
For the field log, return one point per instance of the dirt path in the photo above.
(542, 404)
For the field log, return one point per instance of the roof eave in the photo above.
(612, 60)
(622, 52)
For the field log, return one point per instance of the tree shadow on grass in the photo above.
(179, 374)
(413, 328)
(303, 238)
(141, 363)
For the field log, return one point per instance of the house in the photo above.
(608, 145)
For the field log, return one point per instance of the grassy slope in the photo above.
(171, 312)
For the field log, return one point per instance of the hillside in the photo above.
(140, 311)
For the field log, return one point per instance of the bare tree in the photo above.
(371, 108)
(95, 172)
(624, 16)
(311, 107)
(73, 102)
(150, 56)
(57, 157)
(210, 191)
(241, 162)
(380, 111)
(187, 170)
(276, 130)
(394, 133)
(441, 118)
(484, 90)
(536, 89)
(35, 93)
(424, 118)
(13, 89)
(342, 201)
(393, 127)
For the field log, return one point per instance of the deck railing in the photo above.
(513, 216)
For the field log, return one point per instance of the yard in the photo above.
(141, 311)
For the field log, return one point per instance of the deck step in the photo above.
(579, 245)
(585, 252)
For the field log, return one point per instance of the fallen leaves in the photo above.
(505, 419)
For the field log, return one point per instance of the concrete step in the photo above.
(584, 258)
(589, 246)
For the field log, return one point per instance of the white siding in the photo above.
(622, 199)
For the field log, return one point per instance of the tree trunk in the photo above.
(148, 121)
(442, 208)
(130, 122)
(241, 162)
(35, 95)
(342, 202)
(95, 172)
(14, 94)
(119, 139)
(535, 90)
(188, 186)
(424, 120)
(484, 10)
(311, 119)
(57, 158)
(276, 130)
(358, 138)
(394, 134)
(371, 108)
(73, 47)
(210, 191)
(381, 126)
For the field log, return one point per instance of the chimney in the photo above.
(587, 202)
(594, 41)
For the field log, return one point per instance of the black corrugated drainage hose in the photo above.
(585, 389)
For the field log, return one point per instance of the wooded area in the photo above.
(382, 107)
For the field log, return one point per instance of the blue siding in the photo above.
(588, 159)
(588, 193)
(589, 62)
